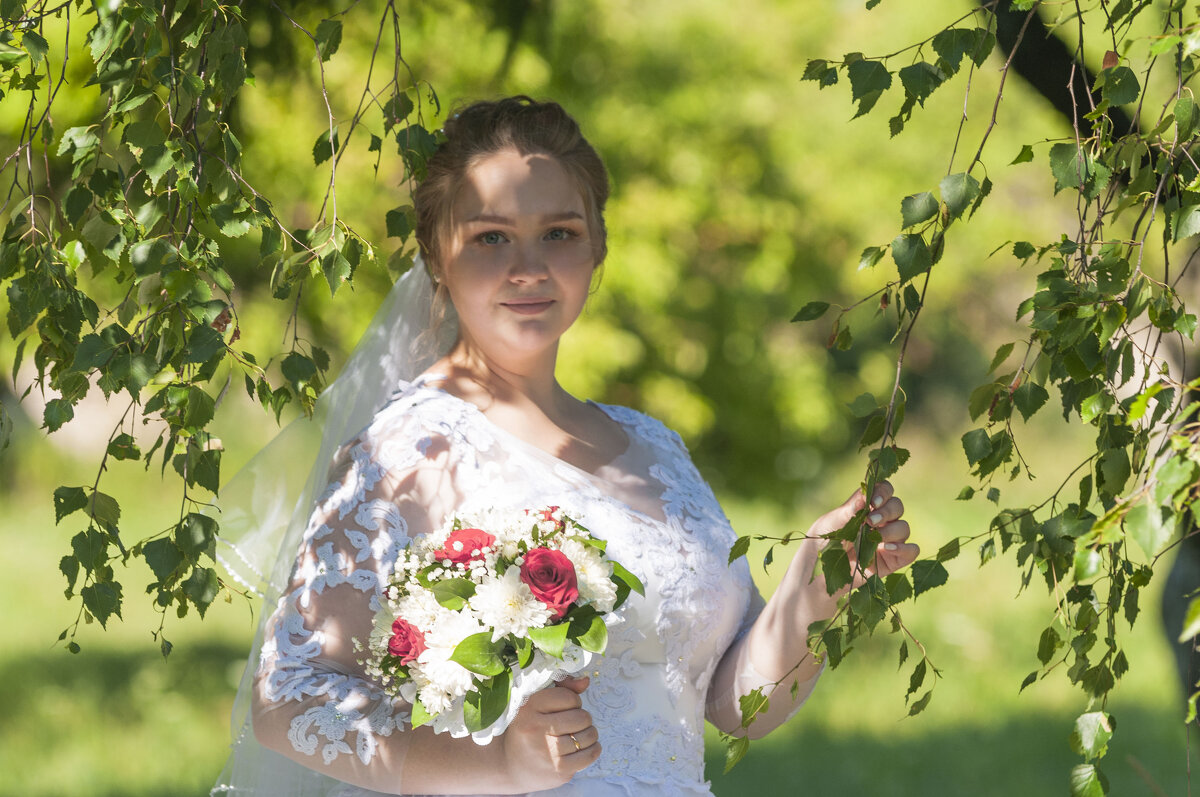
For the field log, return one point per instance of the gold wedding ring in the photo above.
(574, 741)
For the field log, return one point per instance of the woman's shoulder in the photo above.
(644, 426)
(420, 408)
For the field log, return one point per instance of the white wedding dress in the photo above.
(427, 454)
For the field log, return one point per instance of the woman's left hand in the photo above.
(894, 550)
(778, 642)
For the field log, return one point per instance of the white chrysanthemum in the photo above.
(593, 573)
(447, 631)
(439, 683)
(438, 679)
(508, 607)
(419, 607)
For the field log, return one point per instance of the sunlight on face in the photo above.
(519, 261)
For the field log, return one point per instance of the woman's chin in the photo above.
(528, 341)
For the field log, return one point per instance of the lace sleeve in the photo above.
(737, 676)
(311, 700)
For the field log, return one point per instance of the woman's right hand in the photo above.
(551, 738)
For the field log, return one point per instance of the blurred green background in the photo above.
(740, 193)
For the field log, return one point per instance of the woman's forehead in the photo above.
(509, 184)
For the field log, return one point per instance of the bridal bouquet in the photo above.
(491, 605)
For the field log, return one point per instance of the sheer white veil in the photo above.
(265, 507)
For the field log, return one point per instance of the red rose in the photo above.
(407, 641)
(551, 578)
(461, 544)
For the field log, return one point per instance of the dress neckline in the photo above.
(599, 485)
(423, 381)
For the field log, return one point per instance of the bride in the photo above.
(511, 227)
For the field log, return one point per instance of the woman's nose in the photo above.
(528, 266)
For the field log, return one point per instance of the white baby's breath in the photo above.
(420, 608)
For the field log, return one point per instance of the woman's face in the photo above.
(520, 258)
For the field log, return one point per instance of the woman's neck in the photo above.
(526, 400)
(513, 381)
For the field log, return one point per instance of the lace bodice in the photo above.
(428, 454)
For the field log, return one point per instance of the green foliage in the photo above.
(114, 238)
(1095, 327)
(480, 655)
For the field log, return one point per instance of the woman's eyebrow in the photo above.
(569, 215)
(487, 218)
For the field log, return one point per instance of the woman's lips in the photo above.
(528, 306)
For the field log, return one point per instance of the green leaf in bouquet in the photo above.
(425, 574)
(550, 639)
(629, 580)
(453, 592)
(524, 650)
(590, 633)
(420, 715)
(479, 654)
(599, 545)
(482, 708)
(622, 593)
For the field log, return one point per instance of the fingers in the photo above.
(894, 551)
(880, 503)
(581, 759)
(576, 685)
(574, 741)
(893, 535)
(889, 510)
(551, 738)
(883, 514)
(882, 493)
(567, 722)
(890, 557)
(555, 699)
(570, 743)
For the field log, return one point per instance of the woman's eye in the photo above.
(491, 238)
(558, 234)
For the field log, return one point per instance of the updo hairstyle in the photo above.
(485, 128)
